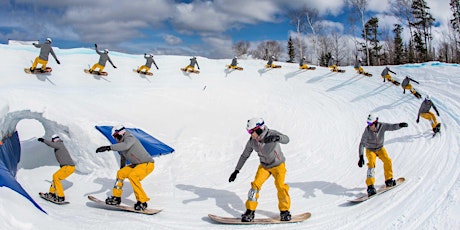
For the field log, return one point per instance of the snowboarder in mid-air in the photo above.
(141, 165)
(148, 64)
(45, 50)
(266, 142)
(191, 66)
(373, 139)
(424, 112)
(406, 85)
(67, 167)
(103, 58)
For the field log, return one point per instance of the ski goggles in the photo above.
(250, 131)
(371, 123)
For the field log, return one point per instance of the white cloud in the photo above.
(171, 39)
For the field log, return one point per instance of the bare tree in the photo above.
(402, 9)
(360, 7)
(266, 49)
(241, 48)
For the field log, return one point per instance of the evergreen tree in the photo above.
(455, 6)
(398, 45)
(291, 50)
(423, 21)
(371, 31)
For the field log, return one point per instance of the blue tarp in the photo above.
(151, 144)
(10, 154)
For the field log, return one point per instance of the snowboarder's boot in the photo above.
(50, 196)
(285, 216)
(371, 190)
(248, 216)
(390, 182)
(113, 200)
(437, 128)
(60, 199)
(139, 206)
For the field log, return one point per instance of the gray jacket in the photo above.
(357, 64)
(385, 72)
(45, 50)
(425, 108)
(374, 140)
(60, 152)
(331, 62)
(302, 62)
(234, 62)
(193, 62)
(270, 60)
(270, 154)
(150, 61)
(131, 149)
(103, 58)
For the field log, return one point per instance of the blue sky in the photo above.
(192, 27)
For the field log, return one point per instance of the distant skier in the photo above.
(373, 139)
(332, 64)
(67, 167)
(424, 112)
(406, 85)
(386, 76)
(141, 165)
(303, 64)
(148, 64)
(191, 66)
(45, 50)
(266, 142)
(103, 58)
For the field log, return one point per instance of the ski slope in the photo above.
(203, 118)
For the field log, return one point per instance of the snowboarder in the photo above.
(406, 85)
(358, 66)
(266, 142)
(302, 64)
(67, 167)
(424, 111)
(270, 62)
(103, 58)
(141, 165)
(386, 76)
(234, 64)
(45, 50)
(191, 66)
(148, 64)
(373, 139)
(332, 64)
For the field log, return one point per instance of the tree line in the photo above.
(317, 41)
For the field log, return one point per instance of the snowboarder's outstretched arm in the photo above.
(435, 109)
(155, 63)
(414, 80)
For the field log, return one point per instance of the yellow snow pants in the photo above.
(360, 70)
(189, 68)
(39, 61)
(409, 87)
(97, 65)
(135, 175)
(279, 173)
(334, 68)
(143, 67)
(61, 174)
(304, 66)
(387, 165)
(431, 117)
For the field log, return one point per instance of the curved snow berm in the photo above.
(204, 116)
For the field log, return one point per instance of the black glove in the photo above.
(40, 139)
(103, 149)
(95, 45)
(114, 67)
(272, 138)
(403, 124)
(361, 161)
(233, 176)
(34, 43)
(58, 62)
(145, 54)
(417, 120)
(437, 114)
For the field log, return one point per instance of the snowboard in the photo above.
(42, 195)
(381, 190)
(190, 71)
(237, 68)
(38, 70)
(103, 205)
(367, 74)
(310, 68)
(143, 73)
(96, 72)
(274, 67)
(339, 71)
(237, 221)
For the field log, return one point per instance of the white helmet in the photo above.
(236, 57)
(151, 55)
(118, 131)
(360, 60)
(427, 97)
(49, 39)
(54, 137)
(255, 123)
(106, 51)
(372, 118)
